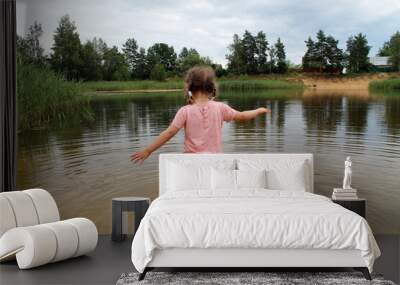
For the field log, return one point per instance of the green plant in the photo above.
(158, 72)
(44, 97)
(391, 84)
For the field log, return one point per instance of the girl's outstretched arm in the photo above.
(140, 156)
(249, 115)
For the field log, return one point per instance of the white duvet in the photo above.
(250, 219)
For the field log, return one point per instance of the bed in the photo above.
(246, 211)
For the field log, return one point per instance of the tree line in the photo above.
(324, 55)
(94, 60)
(391, 49)
(250, 54)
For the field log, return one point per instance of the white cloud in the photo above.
(209, 26)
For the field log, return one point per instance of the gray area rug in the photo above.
(228, 278)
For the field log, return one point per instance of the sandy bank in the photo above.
(342, 83)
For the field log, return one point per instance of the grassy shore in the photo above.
(225, 84)
(131, 85)
(258, 84)
(391, 84)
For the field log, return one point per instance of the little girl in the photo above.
(202, 117)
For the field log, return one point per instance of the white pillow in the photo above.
(188, 177)
(251, 178)
(290, 179)
(284, 174)
(223, 179)
(226, 179)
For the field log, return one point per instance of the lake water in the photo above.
(84, 167)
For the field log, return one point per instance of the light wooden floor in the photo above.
(110, 260)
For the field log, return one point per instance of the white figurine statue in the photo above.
(347, 174)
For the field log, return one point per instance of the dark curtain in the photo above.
(8, 116)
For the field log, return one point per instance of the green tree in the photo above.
(91, 68)
(321, 50)
(236, 57)
(29, 50)
(261, 54)
(100, 46)
(281, 65)
(219, 70)
(115, 66)
(357, 53)
(205, 60)
(130, 49)
(334, 55)
(184, 53)
(163, 54)
(385, 50)
(272, 59)
(66, 56)
(189, 58)
(309, 58)
(142, 70)
(394, 51)
(323, 54)
(158, 72)
(250, 51)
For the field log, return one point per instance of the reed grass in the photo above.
(391, 84)
(45, 98)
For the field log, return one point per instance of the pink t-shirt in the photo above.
(203, 125)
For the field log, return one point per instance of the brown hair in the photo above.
(200, 79)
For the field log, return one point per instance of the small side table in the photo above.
(358, 206)
(139, 205)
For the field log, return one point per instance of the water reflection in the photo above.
(392, 115)
(84, 167)
(322, 112)
(357, 112)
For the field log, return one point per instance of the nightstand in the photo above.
(138, 205)
(358, 206)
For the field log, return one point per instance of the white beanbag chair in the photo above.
(30, 230)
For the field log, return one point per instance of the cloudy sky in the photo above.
(209, 25)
